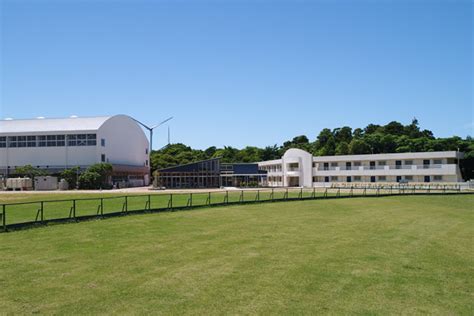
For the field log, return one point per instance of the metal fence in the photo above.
(29, 214)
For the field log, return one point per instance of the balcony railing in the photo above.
(387, 167)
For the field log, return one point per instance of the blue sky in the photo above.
(241, 72)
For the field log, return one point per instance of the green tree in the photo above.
(359, 147)
(71, 176)
(29, 171)
(342, 148)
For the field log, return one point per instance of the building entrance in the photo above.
(293, 181)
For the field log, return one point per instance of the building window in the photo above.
(81, 140)
(146, 151)
(409, 178)
(3, 141)
(357, 163)
(60, 140)
(314, 165)
(357, 178)
(31, 141)
(12, 141)
(91, 139)
(146, 162)
(102, 142)
(438, 178)
(41, 141)
(334, 164)
(51, 140)
(437, 161)
(334, 179)
(408, 162)
(382, 178)
(382, 163)
(315, 179)
(102, 157)
(71, 140)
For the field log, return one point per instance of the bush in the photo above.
(90, 180)
(70, 175)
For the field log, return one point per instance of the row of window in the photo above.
(49, 140)
(379, 163)
(377, 179)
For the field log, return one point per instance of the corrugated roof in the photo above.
(52, 124)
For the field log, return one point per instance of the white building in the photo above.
(299, 168)
(57, 144)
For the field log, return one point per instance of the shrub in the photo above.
(90, 180)
(71, 176)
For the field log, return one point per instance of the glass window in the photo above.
(382, 178)
(102, 142)
(408, 162)
(81, 140)
(438, 178)
(357, 163)
(12, 141)
(437, 161)
(382, 163)
(334, 164)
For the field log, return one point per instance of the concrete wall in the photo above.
(125, 142)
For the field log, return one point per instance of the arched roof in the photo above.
(69, 124)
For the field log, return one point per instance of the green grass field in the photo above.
(388, 255)
(59, 206)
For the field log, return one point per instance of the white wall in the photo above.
(305, 160)
(125, 142)
(49, 156)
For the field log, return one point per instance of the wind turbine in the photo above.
(150, 129)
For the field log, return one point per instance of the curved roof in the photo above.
(52, 124)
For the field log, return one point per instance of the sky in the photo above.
(240, 73)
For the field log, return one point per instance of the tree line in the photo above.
(393, 137)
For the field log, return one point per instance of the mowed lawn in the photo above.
(86, 204)
(387, 255)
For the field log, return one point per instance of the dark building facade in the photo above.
(211, 174)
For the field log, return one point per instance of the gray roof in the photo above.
(52, 124)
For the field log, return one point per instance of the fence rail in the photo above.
(28, 214)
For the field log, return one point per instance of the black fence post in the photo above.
(271, 195)
(149, 202)
(257, 197)
(301, 194)
(4, 217)
(209, 197)
(126, 204)
(313, 194)
(42, 211)
(226, 197)
(101, 206)
(73, 208)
